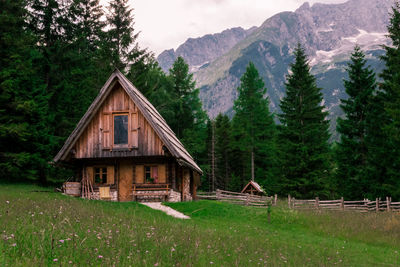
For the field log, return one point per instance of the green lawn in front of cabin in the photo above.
(46, 228)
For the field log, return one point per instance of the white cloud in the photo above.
(166, 24)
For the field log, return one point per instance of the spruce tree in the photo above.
(353, 150)
(122, 45)
(187, 104)
(190, 120)
(391, 98)
(81, 73)
(69, 37)
(304, 133)
(253, 131)
(24, 133)
(223, 140)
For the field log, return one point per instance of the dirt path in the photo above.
(167, 210)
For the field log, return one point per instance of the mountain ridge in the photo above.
(328, 32)
(198, 51)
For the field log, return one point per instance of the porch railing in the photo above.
(150, 190)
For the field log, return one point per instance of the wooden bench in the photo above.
(138, 188)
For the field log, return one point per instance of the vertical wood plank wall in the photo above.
(91, 143)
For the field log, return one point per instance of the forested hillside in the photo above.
(56, 55)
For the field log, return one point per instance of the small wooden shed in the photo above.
(123, 144)
(253, 188)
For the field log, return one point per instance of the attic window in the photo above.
(121, 129)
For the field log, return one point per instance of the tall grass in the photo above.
(46, 228)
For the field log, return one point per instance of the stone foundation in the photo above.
(96, 195)
(145, 198)
(174, 196)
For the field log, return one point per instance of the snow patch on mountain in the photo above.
(365, 37)
(366, 40)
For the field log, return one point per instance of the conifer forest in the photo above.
(56, 55)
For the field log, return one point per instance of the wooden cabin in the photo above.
(123, 150)
(253, 188)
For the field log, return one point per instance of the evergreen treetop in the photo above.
(304, 133)
(352, 152)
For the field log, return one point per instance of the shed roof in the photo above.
(154, 118)
(255, 185)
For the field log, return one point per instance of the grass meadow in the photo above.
(41, 228)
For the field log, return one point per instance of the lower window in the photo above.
(100, 175)
(151, 174)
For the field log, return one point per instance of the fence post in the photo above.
(317, 202)
(387, 203)
(218, 195)
(288, 197)
(275, 199)
(377, 205)
(247, 199)
(366, 204)
(342, 203)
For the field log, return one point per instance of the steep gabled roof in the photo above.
(154, 118)
(255, 185)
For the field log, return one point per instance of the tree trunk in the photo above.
(213, 157)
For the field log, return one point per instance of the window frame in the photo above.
(101, 174)
(120, 113)
(151, 166)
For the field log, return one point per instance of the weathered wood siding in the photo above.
(97, 139)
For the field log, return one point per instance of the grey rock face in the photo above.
(199, 51)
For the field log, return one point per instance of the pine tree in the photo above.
(187, 104)
(304, 133)
(353, 149)
(223, 140)
(190, 120)
(122, 45)
(86, 24)
(380, 151)
(253, 130)
(69, 37)
(24, 136)
(81, 73)
(391, 99)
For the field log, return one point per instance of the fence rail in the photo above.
(365, 205)
(238, 198)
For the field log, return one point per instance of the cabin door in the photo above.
(125, 181)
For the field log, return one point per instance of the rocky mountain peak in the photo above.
(303, 7)
(200, 51)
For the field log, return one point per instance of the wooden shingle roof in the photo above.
(255, 186)
(154, 118)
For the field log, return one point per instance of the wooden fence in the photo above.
(238, 198)
(340, 204)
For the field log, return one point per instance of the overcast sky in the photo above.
(165, 24)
